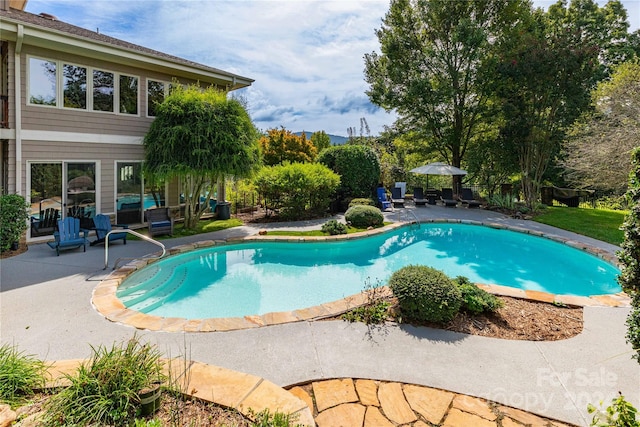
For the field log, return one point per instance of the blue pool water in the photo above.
(257, 278)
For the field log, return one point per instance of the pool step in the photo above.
(156, 288)
(143, 283)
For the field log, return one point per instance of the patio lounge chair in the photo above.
(468, 199)
(45, 223)
(396, 197)
(447, 198)
(102, 225)
(159, 221)
(418, 197)
(382, 199)
(69, 235)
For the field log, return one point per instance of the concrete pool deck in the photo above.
(46, 311)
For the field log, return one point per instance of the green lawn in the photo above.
(601, 224)
(318, 232)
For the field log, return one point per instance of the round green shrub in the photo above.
(476, 300)
(361, 201)
(334, 227)
(425, 294)
(364, 216)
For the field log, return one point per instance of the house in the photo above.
(75, 106)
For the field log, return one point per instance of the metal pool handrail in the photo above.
(126, 230)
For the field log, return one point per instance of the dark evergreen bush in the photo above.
(14, 213)
(476, 300)
(358, 167)
(364, 216)
(629, 256)
(425, 294)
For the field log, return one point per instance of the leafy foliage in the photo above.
(364, 216)
(362, 201)
(432, 68)
(265, 418)
(358, 167)
(619, 414)
(320, 140)
(597, 153)
(280, 145)
(334, 227)
(14, 213)
(105, 390)
(543, 83)
(476, 300)
(374, 311)
(425, 294)
(629, 256)
(20, 374)
(297, 189)
(200, 136)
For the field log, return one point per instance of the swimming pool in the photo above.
(261, 277)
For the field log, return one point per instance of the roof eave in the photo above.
(64, 42)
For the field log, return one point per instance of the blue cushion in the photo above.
(161, 224)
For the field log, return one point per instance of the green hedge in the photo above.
(14, 213)
(297, 190)
(358, 167)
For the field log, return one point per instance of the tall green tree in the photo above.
(598, 152)
(544, 79)
(606, 27)
(431, 69)
(200, 136)
(320, 140)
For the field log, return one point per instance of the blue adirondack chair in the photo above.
(382, 199)
(102, 224)
(69, 235)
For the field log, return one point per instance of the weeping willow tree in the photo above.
(201, 137)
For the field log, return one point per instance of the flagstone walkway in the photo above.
(347, 402)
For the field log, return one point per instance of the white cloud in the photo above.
(306, 56)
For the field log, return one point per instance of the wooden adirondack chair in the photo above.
(102, 225)
(69, 235)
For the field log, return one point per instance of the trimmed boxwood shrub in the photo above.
(425, 294)
(362, 201)
(476, 300)
(364, 216)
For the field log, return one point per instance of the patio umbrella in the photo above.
(438, 168)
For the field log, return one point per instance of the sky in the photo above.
(306, 57)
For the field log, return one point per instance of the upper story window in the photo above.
(63, 85)
(103, 91)
(156, 92)
(42, 82)
(75, 86)
(128, 94)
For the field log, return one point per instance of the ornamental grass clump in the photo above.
(21, 375)
(105, 390)
(362, 216)
(425, 294)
